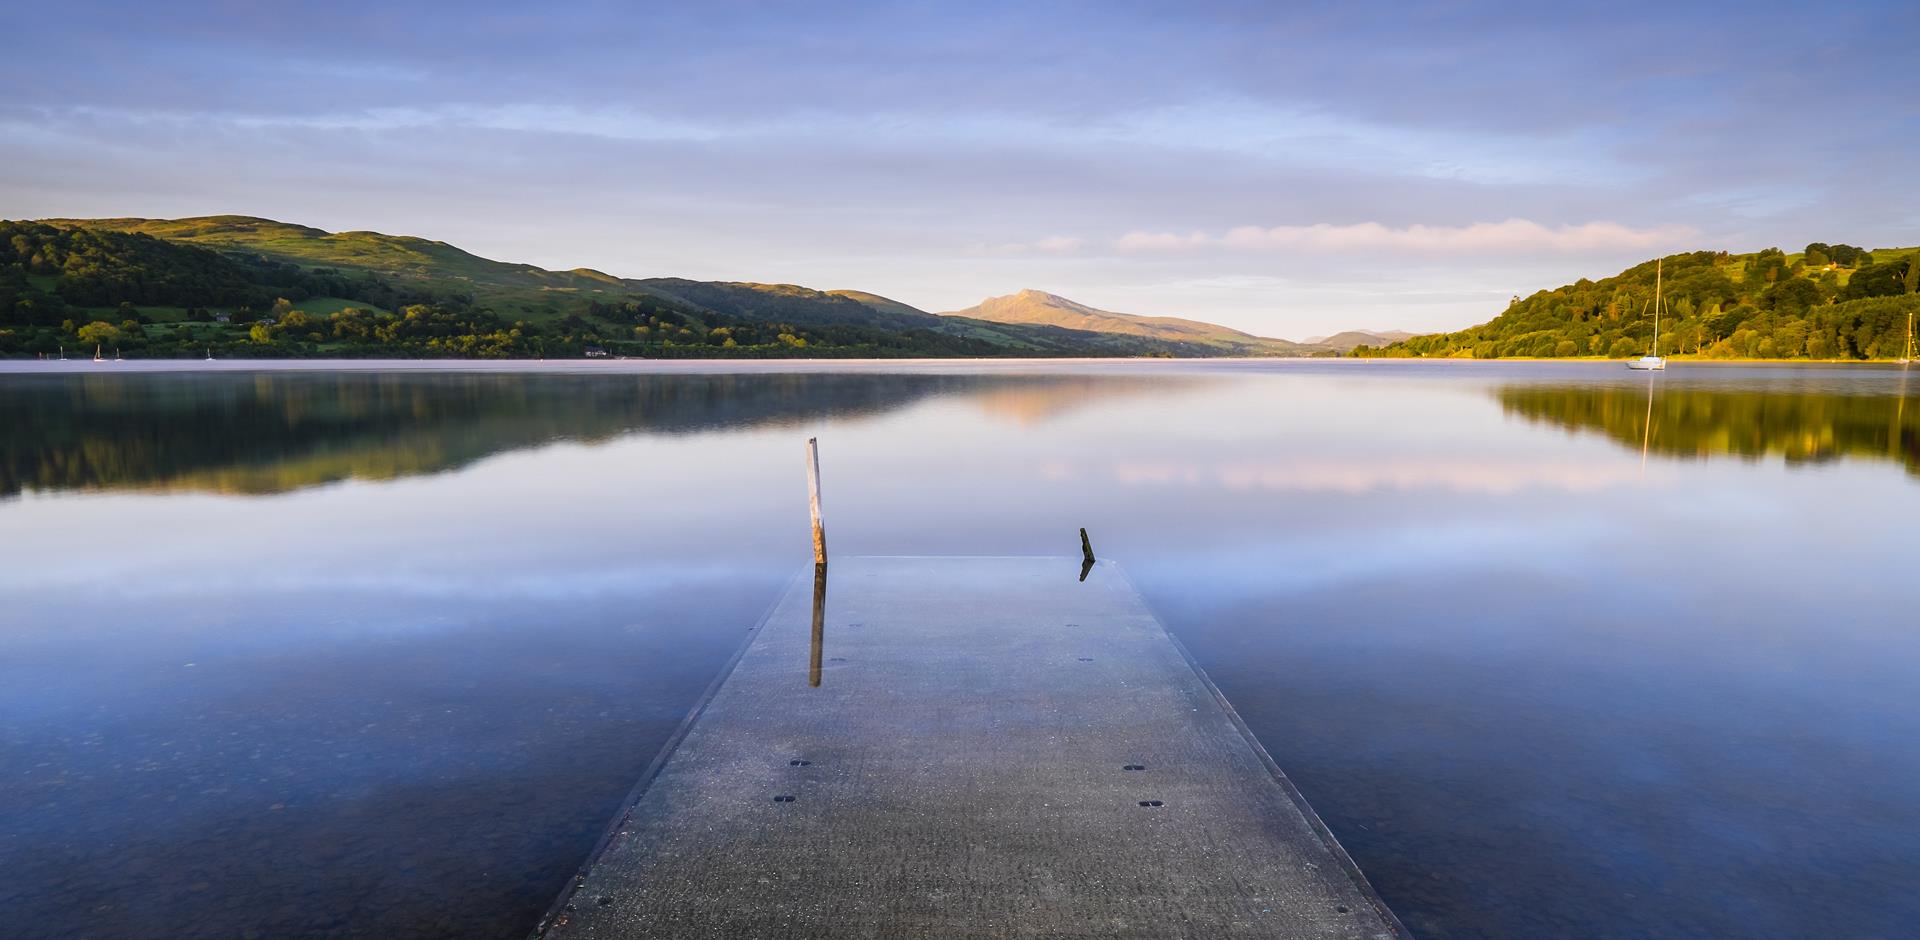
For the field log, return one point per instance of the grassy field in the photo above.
(321, 307)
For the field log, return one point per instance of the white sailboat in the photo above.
(96, 354)
(1652, 361)
(209, 353)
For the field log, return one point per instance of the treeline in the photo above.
(657, 327)
(72, 289)
(1832, 302)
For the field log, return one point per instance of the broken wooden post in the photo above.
(813, 501)
(819, 625)
(1086, 552)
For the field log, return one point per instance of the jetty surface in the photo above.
(965, 747)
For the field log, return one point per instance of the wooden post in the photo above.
(819, 625)
(813, 501)
(1086, 553)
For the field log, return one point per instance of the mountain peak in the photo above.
(1039, 308)
(1035, 297)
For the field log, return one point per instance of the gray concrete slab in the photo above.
(993, 749)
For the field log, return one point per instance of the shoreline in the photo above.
(823, 364)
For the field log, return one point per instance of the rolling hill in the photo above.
(171, 286)
(1826, 302)
(518, 289)
(1039, 308)
(1345, 341)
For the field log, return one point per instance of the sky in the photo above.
(1287, 169)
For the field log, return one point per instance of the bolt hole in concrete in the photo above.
(1086, 659)
(1151, 803)
(1134, 767)
(1342, 909)
(783, 799)
(799, 763)
(605, 901)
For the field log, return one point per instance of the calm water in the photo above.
(352, 653)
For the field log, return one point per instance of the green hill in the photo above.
(521, 290)
(251, 287)
(402, 256)
(785, 302)
(882, 304)
(1827, 302)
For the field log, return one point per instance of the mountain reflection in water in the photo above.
(266, 433)
(261, 433)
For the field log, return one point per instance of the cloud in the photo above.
(1513, 235)
(1058, 244)
(1051, 245)
(1160, 241)
(609, 123)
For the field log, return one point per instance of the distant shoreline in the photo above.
(86, 366)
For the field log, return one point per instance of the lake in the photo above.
(1555, 649)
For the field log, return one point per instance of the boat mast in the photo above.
(1656, 308)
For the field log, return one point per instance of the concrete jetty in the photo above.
(966, 748)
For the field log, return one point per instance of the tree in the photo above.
(1913, 273)
(1792, 295)
(1848, 255)
(1721, 325)
(1879, 280)
(99, 331)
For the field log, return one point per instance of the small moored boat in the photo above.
(1652, 361)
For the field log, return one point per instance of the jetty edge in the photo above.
(994, 749)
